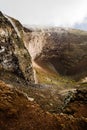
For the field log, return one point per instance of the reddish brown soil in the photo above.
(18, 113)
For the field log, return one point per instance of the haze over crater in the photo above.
(69, 13)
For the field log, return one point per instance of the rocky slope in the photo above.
(14, 57)
(18, 112)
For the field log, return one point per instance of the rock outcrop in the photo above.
(75, 103)
(14, 57)
(65, 49)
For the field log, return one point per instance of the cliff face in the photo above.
(65, 49)
(14, 57)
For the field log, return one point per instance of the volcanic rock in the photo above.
(14, 57)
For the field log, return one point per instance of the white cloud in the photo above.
(43, 12)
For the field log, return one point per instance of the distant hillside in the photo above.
(62, 49)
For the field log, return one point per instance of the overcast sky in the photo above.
(46, 12)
